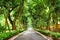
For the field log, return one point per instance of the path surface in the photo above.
(30, 35)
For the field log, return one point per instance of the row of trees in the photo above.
(42, 13)
(45, 13)
(12, 14)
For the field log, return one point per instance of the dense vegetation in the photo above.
(20, 14)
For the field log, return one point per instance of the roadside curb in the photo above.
(12, 38)
(43, 36)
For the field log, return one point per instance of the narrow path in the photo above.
(30, 35)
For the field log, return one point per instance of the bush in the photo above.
(2, 28)
(46, 32)
(9, 34)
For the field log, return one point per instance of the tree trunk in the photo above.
(16, 16)
(13, 26)
(48, 21)
(56, 20)
(19, 9)
(6, 22)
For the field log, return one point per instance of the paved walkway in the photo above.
(30, 35)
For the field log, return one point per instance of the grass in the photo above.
(6, 35)
(46, 32)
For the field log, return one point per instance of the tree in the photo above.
(10, 6)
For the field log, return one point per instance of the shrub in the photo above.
(46, 32)
(9, 34)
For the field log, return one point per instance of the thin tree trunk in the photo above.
(53, 19)
(19, 9)
(56, 20)
(48, 21)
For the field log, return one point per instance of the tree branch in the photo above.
(19, 9)
(14, 7)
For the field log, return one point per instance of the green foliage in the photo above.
(9, 34)
(47, 32)
(33, 11)
(2, 28)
